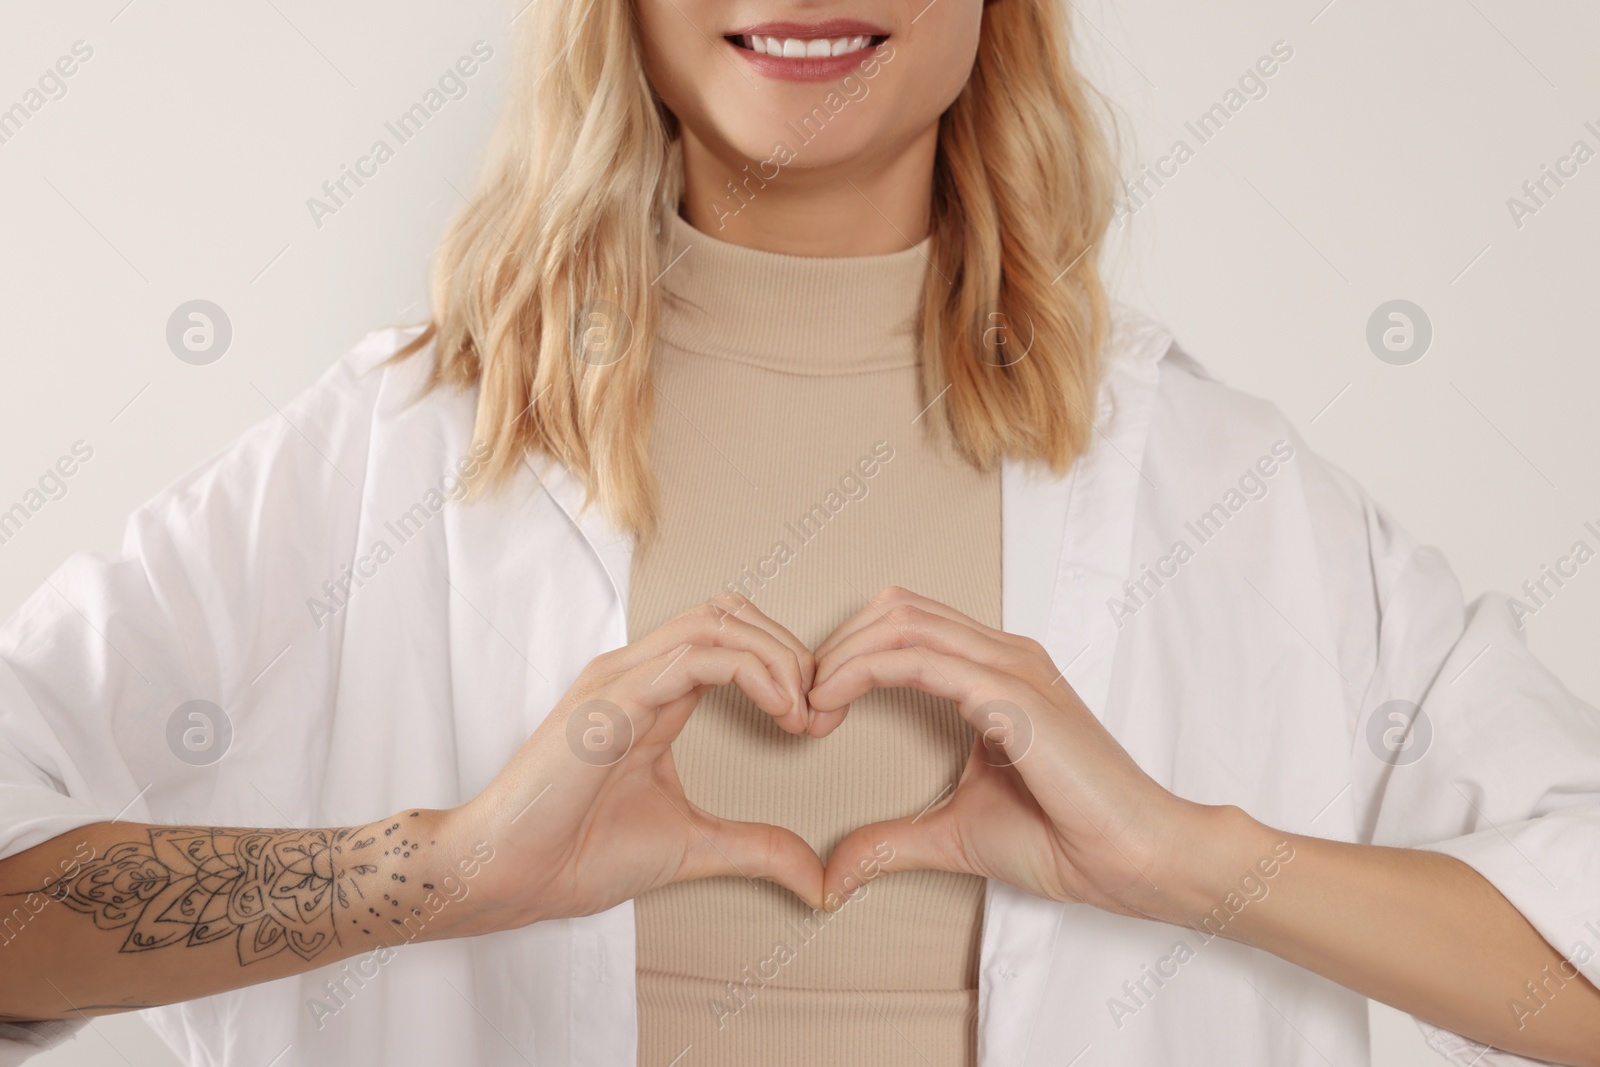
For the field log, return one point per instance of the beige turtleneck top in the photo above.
(797, 465)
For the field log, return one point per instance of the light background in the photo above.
(1377, 166)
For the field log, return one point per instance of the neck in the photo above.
(867, 207)
(797, 314)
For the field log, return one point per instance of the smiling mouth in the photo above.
(806, 47)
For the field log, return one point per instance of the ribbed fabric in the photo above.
(796, 464)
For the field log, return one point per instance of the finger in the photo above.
(730, 609)
(888, 598)
(885, 623)
(824, 723)
(714, 624)
(671, 716)
(752, 850)
(993, 698)
(676, 673)
(741, 607)
(915, 843)
(910, 625)
(938, 674)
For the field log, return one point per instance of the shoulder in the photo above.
(1213, 450)
(1191, 403)
(322, 443)
(1201, 435)
(285, 501)
(1205, 434)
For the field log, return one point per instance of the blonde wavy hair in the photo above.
(586, 164)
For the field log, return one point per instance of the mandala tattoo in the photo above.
(267, 889)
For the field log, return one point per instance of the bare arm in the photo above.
(1418, 930)
(121, 915)
(1058, 808)
(587, 814)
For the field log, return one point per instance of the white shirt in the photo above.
(1249, 675)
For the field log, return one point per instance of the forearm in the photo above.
(1419, 930)
(123, 915)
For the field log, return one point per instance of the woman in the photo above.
(772, 590)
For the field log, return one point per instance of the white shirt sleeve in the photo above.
(210, 585)
(20, 1041)
(1503, 766)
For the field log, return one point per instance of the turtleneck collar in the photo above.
(799, 314)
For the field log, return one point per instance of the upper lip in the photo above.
(826, 28)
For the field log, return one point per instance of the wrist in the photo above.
(1220, 861)
(411, 877)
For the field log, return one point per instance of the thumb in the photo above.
(915, 843)
(723, 847)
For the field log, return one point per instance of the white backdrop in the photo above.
(1377, 162)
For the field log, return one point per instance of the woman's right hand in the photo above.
(590, 812)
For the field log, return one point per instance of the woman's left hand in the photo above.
(1054, 806)
(1048, 801)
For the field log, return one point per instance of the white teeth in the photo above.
(805, 48)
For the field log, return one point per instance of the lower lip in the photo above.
(808, 69)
